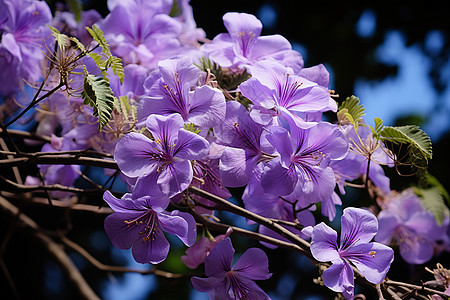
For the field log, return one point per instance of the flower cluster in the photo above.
(175, 125)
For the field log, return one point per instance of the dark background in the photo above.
(326, 30)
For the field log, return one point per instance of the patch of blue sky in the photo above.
(409, 92)
(130, 286)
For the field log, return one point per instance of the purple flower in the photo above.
(141, 32)
(22, 34)
(275, 90)
(404, 220)
(140, 223)
(245, 145)
(196, 254)
(65, 22)
(233, 282)
(243, 46)
(304, 159)
(373, 260)
(163, 165)
(171, 90)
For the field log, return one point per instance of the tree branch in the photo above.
(73, 275)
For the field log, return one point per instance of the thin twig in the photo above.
(60, 160)
(52, 187)
(60, 204)
(9, 279)
(416, 287)
(393, 295)
(70, 270)
(379, 292)
(120, 269)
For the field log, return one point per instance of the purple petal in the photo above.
(357, 226)
(196, 254)
(123, 205)
(207, 107)
(388, 222)
(372, 260)
(414, 248)
(122, 234)
(253, 264)
(317, 74)
(219, 260)
(133, 155)
(153, 250)
(190, 146)
(165, 128)
(175, 178)
(207, 284)
(339, 278)
(272, 46)
(242, 22)
(177, 70)
(146, 186)
(234, 170)
(328, 207)
(279, 180)
(180, 224)
(324, 243)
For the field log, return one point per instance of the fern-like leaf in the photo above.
(99, 37)
(117, 67)
(98, 94)
(351, 111)
(62, 39)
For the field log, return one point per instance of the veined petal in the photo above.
(154, 250)
(123, 205)
(324, 243)
(358, 226)
(122, 233)
(146, 186)
(339, 278)
(277, 179)
(271, 46)
(175, 178)
(165, 128)
(180, 224)
(220, 259)
(179, 70)
(242, 24)
(190, 146)
(207, 107)
(372, 260)
(253, 264)
(135, 155)
(234, 170)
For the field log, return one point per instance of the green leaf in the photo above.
(378, 127)
(117, 67)
(433, 201)
(76, 7)
(419, 148)
(176, 9)
(429, 180)
(79, 45)
(99, 37)
(192, 128)
(411, 135)
(98, 94)
(351, 107)
(62, 39)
